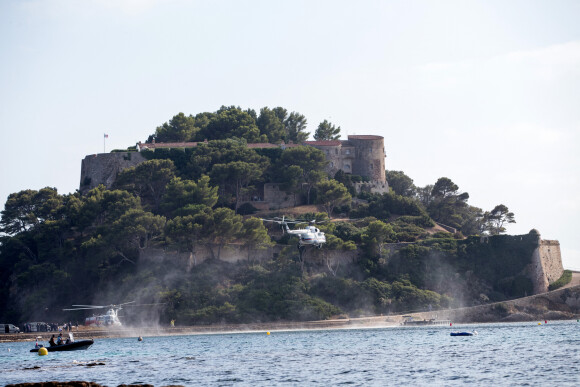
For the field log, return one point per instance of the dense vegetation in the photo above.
(58, 250)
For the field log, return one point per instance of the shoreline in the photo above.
(113, 332)
(560, 304)
(84, 333)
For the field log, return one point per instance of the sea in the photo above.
(507, 354)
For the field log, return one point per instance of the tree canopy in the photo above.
(327, 131)
(62, 249)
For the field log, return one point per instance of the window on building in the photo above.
(371, 165)
(331, 164)
(335, 151)
(346, 167)
(347, 151)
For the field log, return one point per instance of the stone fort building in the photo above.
(362, 155)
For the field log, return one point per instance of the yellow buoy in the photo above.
(268, 333)
(42, 351)
(539, 323)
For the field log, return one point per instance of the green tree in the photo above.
(27, 209)
(132, 232)
(292, 177)
(327, 131)
(295, 126)
(226, 227)
(232, 122)
(183, 194)
(498, 217)
(102, 206)
(206, 155)
(147, 180)
(270, 125)
(311, 161)
(375, 234)
(238, 175)
(401, 183)
(254, 235)
(179, 129)
(425, 196)
(191, 230)
(448, 206)
(332, 194)
(444, 187)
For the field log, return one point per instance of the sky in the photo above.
(486, 93)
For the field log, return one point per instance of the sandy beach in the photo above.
(110, 332)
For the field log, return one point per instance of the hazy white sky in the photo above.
(486, 93)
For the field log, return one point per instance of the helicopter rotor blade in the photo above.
(91, 306)
(157, 303)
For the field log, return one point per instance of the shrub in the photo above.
(563, 280)
(247, 209)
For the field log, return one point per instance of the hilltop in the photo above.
(176, 220)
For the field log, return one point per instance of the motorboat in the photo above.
(463, 333)
(81, 344)
(70, 345)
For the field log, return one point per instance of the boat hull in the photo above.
(461, 334)
(77, 345)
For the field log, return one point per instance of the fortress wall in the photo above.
(103, 168)
(546, 266)
(231, 253)
(235, 253)
(276, 198)
(369, 157)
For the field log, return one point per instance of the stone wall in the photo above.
(546, 266)
(185, 260)
(370, 157)
(234, 253)
(276, 198)
(103, 168)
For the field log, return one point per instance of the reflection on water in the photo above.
(502, 354)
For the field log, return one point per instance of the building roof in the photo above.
(324, 143)
(365, 137)
(167, 145)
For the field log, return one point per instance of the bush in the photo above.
(247, 209)
(563, 280)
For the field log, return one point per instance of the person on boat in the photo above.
(59, 339)
(51, 341)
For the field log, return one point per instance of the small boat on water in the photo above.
(463, 333)
(70, 345)
(81, 344)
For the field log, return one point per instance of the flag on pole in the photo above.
(106, 135)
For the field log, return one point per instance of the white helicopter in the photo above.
(110, 318)
(309, 236)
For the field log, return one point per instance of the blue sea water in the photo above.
(500, 354)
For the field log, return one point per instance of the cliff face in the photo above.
(103, 168)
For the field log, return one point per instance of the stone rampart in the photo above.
(233, 253)
(103, 168)
(546, 266)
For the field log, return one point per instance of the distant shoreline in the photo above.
(526, 309)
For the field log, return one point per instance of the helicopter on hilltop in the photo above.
(110, 318)
(308, 236)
